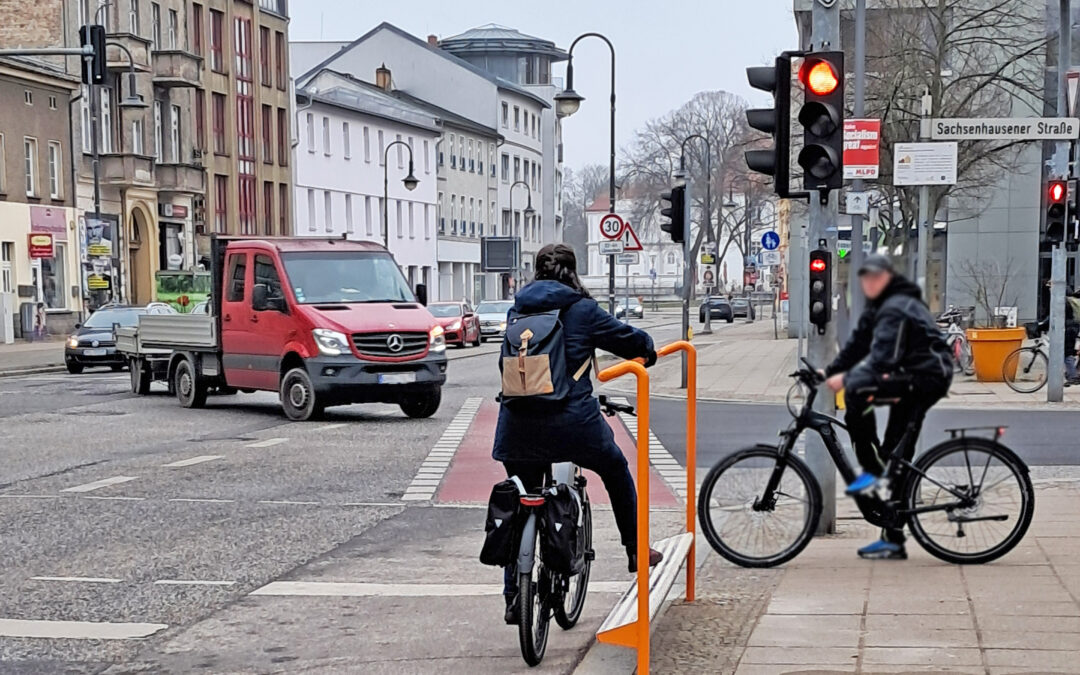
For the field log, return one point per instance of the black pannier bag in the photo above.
(562, 541)
(503, 523)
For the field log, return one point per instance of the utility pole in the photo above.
(822, 348)
(924, 203)
(854, 288)
(1055, 376)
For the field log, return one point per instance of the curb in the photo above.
(34, 370)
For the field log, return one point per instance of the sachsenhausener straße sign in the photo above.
(1005, 128)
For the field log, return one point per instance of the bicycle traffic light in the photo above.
(820, 289)
(94, 68)
(822, 119)
(775, 121)
(1057, 212)
(676, 212)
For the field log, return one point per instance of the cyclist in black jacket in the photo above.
(896, 355)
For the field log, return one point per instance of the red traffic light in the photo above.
(818, 265)
(1056, 191)
(819, 77)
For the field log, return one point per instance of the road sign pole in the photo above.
(924, 207)
(687, 277)
(854, 288)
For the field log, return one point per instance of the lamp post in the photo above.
(567, 102)
(410, 182)
(708, 213)
(528, 213)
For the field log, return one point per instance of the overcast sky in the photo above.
(664, 55)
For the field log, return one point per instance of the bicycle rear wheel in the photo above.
(987, 498)
(1025, 370)
(745, 528)
(568, 610)
(533, 614)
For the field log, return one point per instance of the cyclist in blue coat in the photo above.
(528, 441)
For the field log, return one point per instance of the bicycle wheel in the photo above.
(533, 613)
(740, 527)
(990, 494)
(1025, 370)
(568, 609)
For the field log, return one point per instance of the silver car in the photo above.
(492, 315)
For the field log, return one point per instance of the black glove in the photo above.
(650, 359)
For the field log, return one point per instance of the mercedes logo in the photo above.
(394, 343)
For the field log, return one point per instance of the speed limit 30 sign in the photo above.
(611, 225)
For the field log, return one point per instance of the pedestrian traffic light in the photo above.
(676, 212)
(822, 119)
(93, 69)
(774, 121)
(1057, 212)
(820, 289)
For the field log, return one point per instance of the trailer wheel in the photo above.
(190, 389)
(140, 376)
(298, 397)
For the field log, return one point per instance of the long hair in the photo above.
(557, 262)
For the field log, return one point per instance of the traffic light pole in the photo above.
(854, 288)
(1055, 376)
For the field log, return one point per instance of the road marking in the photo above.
(85, 580)
(77, 630)
(202, 501)
(666, 465)
(193, 461)
(286, 501)
(372, 504)
(191, 582)
(328, 427)
(98, 484)
(267, 443)
(358, 589)
(116, 499)
(29, 496)
(433, 469)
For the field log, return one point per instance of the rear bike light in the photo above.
(532, 501)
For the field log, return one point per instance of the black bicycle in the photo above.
(967, 500)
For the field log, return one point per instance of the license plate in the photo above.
(94, 352)
(397, 378)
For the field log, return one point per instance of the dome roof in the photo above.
(493, 37)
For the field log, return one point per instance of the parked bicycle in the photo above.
(952, 321)
(1025, 369)
(966, 500)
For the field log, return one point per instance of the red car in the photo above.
(460, 322)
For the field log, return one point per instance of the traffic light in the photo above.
(93, 69)
(1057, 194)
(676, 212)
(820, 289)
(774, 121)
(822, 119)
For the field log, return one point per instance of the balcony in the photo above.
(127, 169)
(176, 68)
(139, 47)
(184, 178)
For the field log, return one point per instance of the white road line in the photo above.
(191, 582)
(267, 443)
(287, 502)
(372, 504)
(434, 467)
(98, 484)
(115, 499)
(29, 496)
(202, 500)
(357, 589)
(193, 461)
(77, 630)
(328, 427)
(85, 580)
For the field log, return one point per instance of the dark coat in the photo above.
(895, 334)
(561, 434)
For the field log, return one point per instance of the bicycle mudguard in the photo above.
(527, 550)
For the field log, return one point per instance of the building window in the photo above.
(56, 165)
(397, 214)
(54, 278)
(52, 103)
(367, 215)
(174, 29)
(382, 149)
(264, 56)
(328, 210)
(326, 135)
(348, 213)
(246, 202)
(412, 224)
(517, 169)
(197, 28)
(268, 208)
(346, 144)
(220, 147)
(505, 115)
(200, 121)
(506, 222)
(400, 152)
(221, 203)
(106, 122)
(283, 209)
(453, 155)
(28, 97)
(133, 17)
(517, 118)
(427, 158)
(283, 136)
(159, 132)
(155, 25)
(279, 60)
(427, 221)
(30, 164)
(311, 210)
(217, 37)
(267, 134)
(505, 168)
(174, 134)
(84, 104)
(309, 126)
(7, 273)
(3, 166)
(367, 145)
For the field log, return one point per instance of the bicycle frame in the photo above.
(561, 473)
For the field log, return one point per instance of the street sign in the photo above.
(611, 225)
(770, 241)
(611, 247)
(708, 259)
(626, 258)
(1005, 128)
(862, 142)
(40, 245)
(924, 164)
(857, 203)
(843, 247)
(771, 258)
(630, 239)
(652, 274)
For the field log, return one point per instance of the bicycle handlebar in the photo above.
(609, 408)
(809, 374)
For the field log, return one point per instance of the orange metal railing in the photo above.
(691, 452)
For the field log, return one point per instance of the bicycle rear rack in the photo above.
(962, 432)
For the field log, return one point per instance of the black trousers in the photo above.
(909, 399)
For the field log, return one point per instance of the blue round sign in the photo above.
(770, 241)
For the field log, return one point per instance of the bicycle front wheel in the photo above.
(971, 499)
(1025, 370)
(568, 611)
(745, 525)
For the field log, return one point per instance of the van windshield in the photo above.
(324, 277)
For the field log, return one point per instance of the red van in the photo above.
(323, 322)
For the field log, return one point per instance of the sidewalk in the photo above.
(23, 358)
(829, 612)
(743, 362)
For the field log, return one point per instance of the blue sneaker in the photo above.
(861, 484)
(883, 550)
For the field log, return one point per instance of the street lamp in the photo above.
(529, 212)
(567, 102)
(708, 216)
(410, 182)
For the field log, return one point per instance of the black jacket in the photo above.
(895, 334)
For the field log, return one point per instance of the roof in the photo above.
(351, 93)
(497, 81)
(292, 244)
(32, 65)
(600, 203)
(445, 115)
(493, 37)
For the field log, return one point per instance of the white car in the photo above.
(492, 315)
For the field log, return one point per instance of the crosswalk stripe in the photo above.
(98, 484)
(192, 461)
(77, 630)
(267, 443)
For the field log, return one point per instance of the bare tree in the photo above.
(987, 282)
(580, 188)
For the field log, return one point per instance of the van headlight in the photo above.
(436, 339)
(330, 342)
(73, 342)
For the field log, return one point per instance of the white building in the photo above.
(346, 129)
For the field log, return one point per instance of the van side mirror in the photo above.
(260, 297)
(421, 294)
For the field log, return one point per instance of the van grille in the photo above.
(377, 344)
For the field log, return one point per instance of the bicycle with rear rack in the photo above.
(966, 500)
